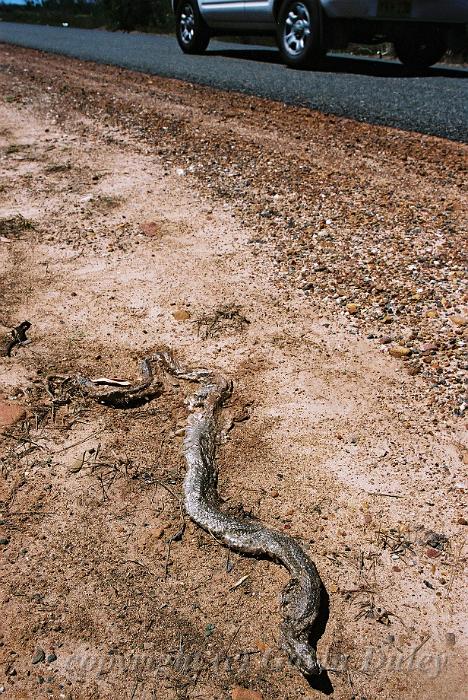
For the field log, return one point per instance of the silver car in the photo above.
(421, 30)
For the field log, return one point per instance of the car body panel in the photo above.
(419, 10)
(261, 11)
(222, 11)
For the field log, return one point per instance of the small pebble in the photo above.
(450, 639)
(39, 656)
(76, 466)
(399, 351)
(181, 315)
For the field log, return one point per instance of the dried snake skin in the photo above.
(301, 596)
(125, 397)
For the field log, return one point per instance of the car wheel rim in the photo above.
(297, 29)
(187, 24)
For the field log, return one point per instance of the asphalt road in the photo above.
(374, 91)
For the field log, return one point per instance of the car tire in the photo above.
(420, 51)
(299, 34)
(192, 32)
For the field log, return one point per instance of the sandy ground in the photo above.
(123, 250)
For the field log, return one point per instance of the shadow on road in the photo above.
(345, 64)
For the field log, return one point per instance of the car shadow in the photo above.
(333, 63)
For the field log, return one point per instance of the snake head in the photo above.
(306, 660)
(302, 655)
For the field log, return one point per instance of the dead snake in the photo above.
(301, 596)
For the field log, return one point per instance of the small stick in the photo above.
(135, 561)
(80, 442)
(240, 582)
(31, 512)
(231, 640)
(388, 495)
(104, 494)
(161, 483)
(415, 651)
(174, 538)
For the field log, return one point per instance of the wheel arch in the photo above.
(276, 8)
(176, 3)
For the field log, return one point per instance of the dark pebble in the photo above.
(51, 658)
(39, 656)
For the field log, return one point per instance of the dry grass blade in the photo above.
(13, 225)
(228, 317)
(395, 541)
